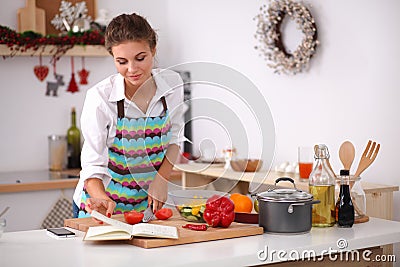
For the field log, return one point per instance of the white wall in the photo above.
(350, 91)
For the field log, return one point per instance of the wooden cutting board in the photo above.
(31, 18)
(186, 236)
(52, 8)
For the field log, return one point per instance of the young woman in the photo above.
(132, 124)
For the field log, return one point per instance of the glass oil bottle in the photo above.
(322, 187)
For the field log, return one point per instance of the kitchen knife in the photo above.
(148, 214)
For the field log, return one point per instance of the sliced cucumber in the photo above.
(186, 209)
(186, 212)
(192, 218)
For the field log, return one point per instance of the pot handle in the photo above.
(288, 179)
(314, 202)
(290, 208)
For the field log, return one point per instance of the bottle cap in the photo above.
(321, 151)
(55, 137)
(344, 172)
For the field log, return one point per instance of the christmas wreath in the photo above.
(29, 40)
(268, 34)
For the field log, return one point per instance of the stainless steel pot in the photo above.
(285, 210)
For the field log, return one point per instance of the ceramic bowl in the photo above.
(246, 165)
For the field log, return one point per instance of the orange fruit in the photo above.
(242, 202)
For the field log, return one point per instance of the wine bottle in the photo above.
(74, 143)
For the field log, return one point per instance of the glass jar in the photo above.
(57, 152)
(229, 154)
(2, 226)
(357, 196)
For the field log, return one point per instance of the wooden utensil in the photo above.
(367, 157)
(346, 154)
(4, 211)
(366, 160)
(31, 18)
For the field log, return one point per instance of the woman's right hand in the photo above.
(104, 206)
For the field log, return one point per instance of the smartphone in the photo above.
(60, 232)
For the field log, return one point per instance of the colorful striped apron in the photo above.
(134, 158)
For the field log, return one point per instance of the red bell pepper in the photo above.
(219, 211)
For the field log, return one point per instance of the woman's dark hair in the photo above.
(129, 28)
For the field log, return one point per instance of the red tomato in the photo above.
(163, 213)
(133, 217)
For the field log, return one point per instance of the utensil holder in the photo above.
(357, 196)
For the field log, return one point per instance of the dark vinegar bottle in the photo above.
(346, 208)
(74, 143)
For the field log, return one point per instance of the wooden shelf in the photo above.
(23, 181)
(77, 50)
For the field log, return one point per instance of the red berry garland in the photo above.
(29, 40)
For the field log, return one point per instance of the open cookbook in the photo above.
(117, 230)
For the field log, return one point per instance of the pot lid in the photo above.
(284, 195)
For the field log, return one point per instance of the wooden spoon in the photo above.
(346, 154)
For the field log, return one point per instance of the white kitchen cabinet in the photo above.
(31, 195)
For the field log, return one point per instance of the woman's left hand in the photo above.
(157, 193)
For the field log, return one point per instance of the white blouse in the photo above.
(99, 120)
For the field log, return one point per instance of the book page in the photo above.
(118, 224)
(107, 232)
(140, 229)
(154, 230)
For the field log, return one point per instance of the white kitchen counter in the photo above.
(35, 248)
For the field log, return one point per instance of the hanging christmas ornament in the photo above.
(72, 87)
(52, 87)
(40, 70)
(83, 73)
